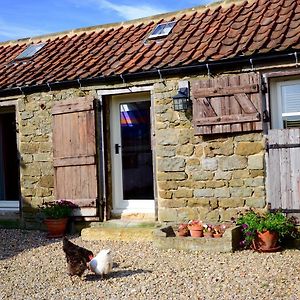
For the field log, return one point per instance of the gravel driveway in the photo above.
(33, 267)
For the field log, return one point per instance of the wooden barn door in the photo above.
(284, 169)
(74, 151)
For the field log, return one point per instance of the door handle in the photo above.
(117, 147)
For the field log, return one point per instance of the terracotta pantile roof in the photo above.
(222, 31)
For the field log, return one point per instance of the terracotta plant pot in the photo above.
(182, 232)
(56, 227)
(217, 235)
(208, 234)
(266, 241)
(196, 232)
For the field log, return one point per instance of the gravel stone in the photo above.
(34, 267)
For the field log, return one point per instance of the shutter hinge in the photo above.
(264, 88)
(266, 116)
(97, 105)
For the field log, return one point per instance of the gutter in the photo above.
(202, 68)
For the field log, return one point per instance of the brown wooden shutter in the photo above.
(74, 154)
(227, 104)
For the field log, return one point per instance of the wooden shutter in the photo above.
(74, 154)
(227, 104)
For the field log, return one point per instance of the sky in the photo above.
(27, 18)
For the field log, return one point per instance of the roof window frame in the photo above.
(30, 51)
(163, 33)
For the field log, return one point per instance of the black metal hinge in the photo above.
(282, 146)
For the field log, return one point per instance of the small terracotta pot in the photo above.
(217, 235)
(196, 233)
(208, 234)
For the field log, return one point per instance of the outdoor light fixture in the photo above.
(181, 101)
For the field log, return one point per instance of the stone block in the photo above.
(167, 215)
(171, 176)
(171, 164)
(167, 137)
(198, 150)
(226, 175)
(192, 162)
(236, 182)
(199, 193)
(257, 181)
(238, 174)
(228, 214)
(256, 173)
(202, 175)
(214, 203)
(248, 148)
(222, 192)
(256, 162)
(240, 191)
(29, 148)
(195, 202)
(234, 162)
(210, 164)
(166, 151)
(165, 194)
(215, 184)
(185, 150)
(172, 203)
(249, 137)
(231, 202)
(186, 213)
(183, 193)
(168, 185)
(213, 215)
(41, 157)
(258, 202)
(185, 136)
(47, 181)
(259, 192)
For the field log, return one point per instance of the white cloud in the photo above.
(12, 31)
(130, 12)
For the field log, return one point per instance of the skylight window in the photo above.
(162, 30)
(30, 51)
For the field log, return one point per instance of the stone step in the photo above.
(119, 230)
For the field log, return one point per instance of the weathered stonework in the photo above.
(225, 173)
(198, 177)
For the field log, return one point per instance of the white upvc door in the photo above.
(131, 152)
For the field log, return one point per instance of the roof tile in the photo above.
(201, 34)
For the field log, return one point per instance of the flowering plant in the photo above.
(252, 223)
(195, 224)
(57, 209)
(208, 228)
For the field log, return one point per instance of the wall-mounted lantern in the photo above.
(181, 101)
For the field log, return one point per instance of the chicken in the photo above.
(77, 257)
(102, 263)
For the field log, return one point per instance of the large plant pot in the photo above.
(196, 232)
(56, 227)
(266, 241)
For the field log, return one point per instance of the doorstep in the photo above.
(119, 230)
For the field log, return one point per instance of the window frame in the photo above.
(275, 102)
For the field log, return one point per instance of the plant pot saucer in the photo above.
(275, 249)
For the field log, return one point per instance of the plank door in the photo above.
(74, 154)
(284, 168)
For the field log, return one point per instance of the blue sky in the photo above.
(19, 19)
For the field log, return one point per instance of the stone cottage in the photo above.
(94, 115)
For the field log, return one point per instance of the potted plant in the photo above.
(264, 232)
(207, 230)
(217, 231)
(183, 230)
(55, 215)
(196, 228)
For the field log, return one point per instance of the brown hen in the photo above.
(77, 257)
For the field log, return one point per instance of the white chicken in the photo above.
(102, 263)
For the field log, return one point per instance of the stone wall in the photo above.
(36, 152)
(209, 178)
(203, 177)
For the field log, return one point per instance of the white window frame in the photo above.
(276, 101)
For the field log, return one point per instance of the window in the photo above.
(30, 51)
(285, 104)
(162, 30)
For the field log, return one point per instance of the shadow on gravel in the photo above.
(15, 241)
(116, 274)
